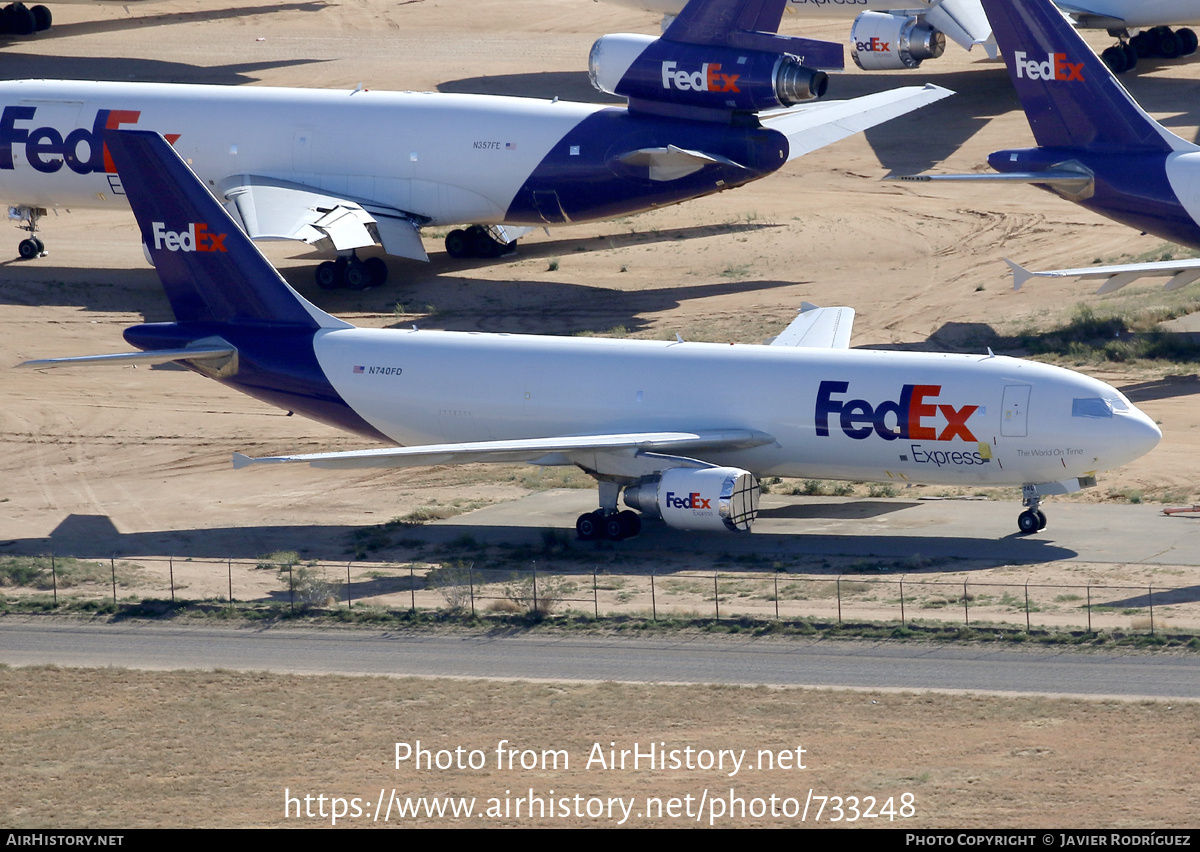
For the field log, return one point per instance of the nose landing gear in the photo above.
(32, 246)
(1032, 519)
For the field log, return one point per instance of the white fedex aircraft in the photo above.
(711, 107)
(683, 429)
(903, 38)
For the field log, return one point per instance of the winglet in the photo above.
(1019, 272)
(240, 461)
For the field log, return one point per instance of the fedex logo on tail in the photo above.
(708, 79)
(912, 417)
(47, 148)
(197, 237)
(1055, 67)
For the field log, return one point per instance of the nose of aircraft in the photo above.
(1137, 433)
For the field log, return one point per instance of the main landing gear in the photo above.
(350, 272)
(19, 19)
(31, 246)
(606, 522)
(1032, 519)
(478, 241)
(1154, 43)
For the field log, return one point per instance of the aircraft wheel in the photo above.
(29, 249)
(589, 525)
(1168, 45)
(1115, 58)
(19, 20)
(328, 276)
(377, 270)
(631, 523)
(457, 244)
(41, 18)
(1028, 522)
(1188, 42)
(1041, 520)
(356, 274)
(481, 242)
(1131, 57)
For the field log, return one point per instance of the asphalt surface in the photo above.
(910, 666)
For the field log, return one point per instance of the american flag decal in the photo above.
(359, 369)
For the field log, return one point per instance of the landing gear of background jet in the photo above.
(352, 273)
(476, 241)
(19, 19)
(1032, 519)
(31, 248)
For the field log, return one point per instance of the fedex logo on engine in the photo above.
(875, 45)
(1056, 67)
(708, 79)
(691, 501)
(47, 149)
(913, 417)
(197, 237)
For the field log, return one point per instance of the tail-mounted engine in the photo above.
(887, 42)
(652, 71)
(716, 498)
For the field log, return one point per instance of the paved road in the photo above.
(582, 658)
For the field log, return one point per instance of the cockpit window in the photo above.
(1091, 407)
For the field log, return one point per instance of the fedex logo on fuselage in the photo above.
(912, 417)
(47, 149)
(691, 501)
(708, 79)
(1056, 67)
(197, 237)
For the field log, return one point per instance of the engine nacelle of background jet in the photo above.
(724, 499)
(886, 42)
(643, 68)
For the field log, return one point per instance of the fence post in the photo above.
(653, 600)
(471, 584)
(839, 597)
(1150, 590)
(1027, 628)
(903, 619)
(54, 578)
(1089, 607)
(966, 607)
(229, 573)
(291, 589)
(716, 598)
(412, 589)
(349, 592)
(595, 594)
(776, 595)
(535, 600)
(112, 560)
(171, 570)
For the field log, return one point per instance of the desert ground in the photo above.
(147, 451)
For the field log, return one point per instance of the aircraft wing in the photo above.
(816, 125)
(278, 210)
(827, 328)
(1064, 179)
(213, 352)
(550, 451)
(965, 22)
(1089, 18)
(1179, 273)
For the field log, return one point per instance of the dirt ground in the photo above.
(147, 451)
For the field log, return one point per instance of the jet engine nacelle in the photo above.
(884, 42)
(716, 498)
(643, 68)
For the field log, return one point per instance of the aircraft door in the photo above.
(1014, 420)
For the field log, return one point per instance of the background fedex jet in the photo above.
(1096, 146)
(712, 106)
(683, 429)
(905, 37)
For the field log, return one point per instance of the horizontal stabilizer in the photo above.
(160, 356)
(672, 163)
(1179, 273)
(526, 450)
(825, 328)
(812, 126)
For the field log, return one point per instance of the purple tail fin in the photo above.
(210, 269)
(1070, 97)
